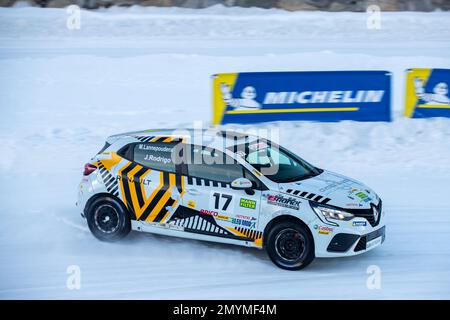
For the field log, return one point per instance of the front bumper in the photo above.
(344, 242)
(347, 238)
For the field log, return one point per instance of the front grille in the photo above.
(368, 213)
(362, 243)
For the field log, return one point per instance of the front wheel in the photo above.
(108, 219)
(290, 245)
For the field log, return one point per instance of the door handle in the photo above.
(193, 192)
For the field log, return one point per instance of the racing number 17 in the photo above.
(227, 198)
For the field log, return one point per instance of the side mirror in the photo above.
(241, 184)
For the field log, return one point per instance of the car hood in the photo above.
(333, 189)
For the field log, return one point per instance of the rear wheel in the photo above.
(108, 219)
(290, 245)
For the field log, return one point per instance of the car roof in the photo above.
(215, 138)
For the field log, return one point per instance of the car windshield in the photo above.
(275, 162)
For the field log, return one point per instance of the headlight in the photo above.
(330, 212)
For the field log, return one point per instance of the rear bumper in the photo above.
(84, 193)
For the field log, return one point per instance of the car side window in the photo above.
(211, 164)
(155, 155)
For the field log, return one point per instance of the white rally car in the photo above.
(227, 187)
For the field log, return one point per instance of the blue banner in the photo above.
(427, 93)
(316, 96)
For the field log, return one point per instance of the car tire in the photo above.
(290, 245)
(108, 219)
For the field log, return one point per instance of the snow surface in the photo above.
(63, 91)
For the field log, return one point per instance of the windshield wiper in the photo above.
(292, 179)
(298, 178)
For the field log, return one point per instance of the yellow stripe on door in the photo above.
(160, 203)
(137, 209)
(155, 192)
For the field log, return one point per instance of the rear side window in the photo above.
(155, 155)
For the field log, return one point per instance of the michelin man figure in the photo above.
(438, 97)
(247, 100)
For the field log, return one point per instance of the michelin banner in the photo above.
(427, 93)
(316, 96)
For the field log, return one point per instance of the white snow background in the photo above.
(62, 92)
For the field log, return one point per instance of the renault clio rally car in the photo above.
(227, 187)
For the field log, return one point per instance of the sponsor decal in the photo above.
(282, 201)
(359, 194)
(239, 216)
(209, 212)
(221, 217)
(353, 205)
(307, 97)
(144, 181)
(359, 223)
(332, 185)
(323, 229)
(191, 204)
(247, 203)
(242, 222)
(247, 97)
(242, 183)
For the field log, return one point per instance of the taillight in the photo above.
(88, 169)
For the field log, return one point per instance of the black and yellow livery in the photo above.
(151, 207)
(217, 189)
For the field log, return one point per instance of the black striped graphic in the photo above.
(157, 198)
(108, 179)
(144, 139)
(170, 201)
(324, 201)
(307, 195)
(156, 139)
(192, 221)
(249, 233)
(126, 188)
(206, 183)
(150, 206)
(163, 210)
(178, 183)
